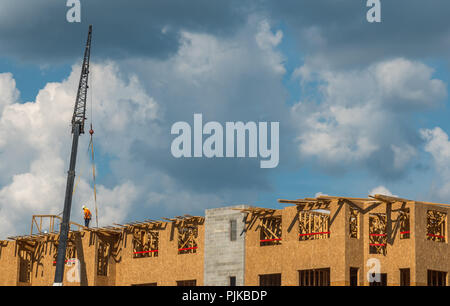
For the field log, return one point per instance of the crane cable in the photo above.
(78, 180)
(90, 148)
(91, 145)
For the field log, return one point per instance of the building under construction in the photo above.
(380, 240)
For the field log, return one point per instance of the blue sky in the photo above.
(362, 107)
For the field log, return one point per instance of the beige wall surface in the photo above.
(293, 255)
(166, 269)
(339, 252)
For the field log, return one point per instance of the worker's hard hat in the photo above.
(84, 206)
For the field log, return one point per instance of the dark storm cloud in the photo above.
(37, 31)
(335, 30)
(409, 28)
(198, 173)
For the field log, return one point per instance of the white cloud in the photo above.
(358, 119)
(381, 190)
(403, 155)
(116, 202)
(438, 145)
(8, 90)
(227, 79)
(268, 41)
(410, 84)
(334, 136)
(318, 194)
(35, 144)
(203, 57)
(36, 135)
(265, 38)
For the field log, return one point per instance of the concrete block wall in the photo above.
(224, 258)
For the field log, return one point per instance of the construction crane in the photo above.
(79, 116)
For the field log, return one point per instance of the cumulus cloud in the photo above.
(226, 80)
(438, 145)
(134, 102)
(408, 85)
(174, 68)
(35, 145)
(360, 117)
(265, 38)
(10, 94)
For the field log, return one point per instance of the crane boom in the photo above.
(79, 116)
(79, 113)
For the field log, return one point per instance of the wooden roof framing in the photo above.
(377, 198)
(179, 220)
(33, 237)
(256, 210)
(107, 230)
(51, 219)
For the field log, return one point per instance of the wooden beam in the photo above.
(171, 220)
(294, 201)
(388, 199)
(431, 203)
(344, 198)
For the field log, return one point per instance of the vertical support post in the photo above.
(388, 225)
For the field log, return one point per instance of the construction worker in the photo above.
(87, 216)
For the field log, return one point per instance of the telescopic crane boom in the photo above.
(79, 116)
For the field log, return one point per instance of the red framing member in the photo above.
(274, 239)
(438, 236)
(142, 252)
(185, 249)
(378, 244)
(308, 234)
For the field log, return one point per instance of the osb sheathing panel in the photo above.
(430, 253)
(9, 264)
(400, 253)
(165, 269)
(43, 272)
(340, 252)
(354, 255)
(110, 278)
(294, 255)
(43, 267)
